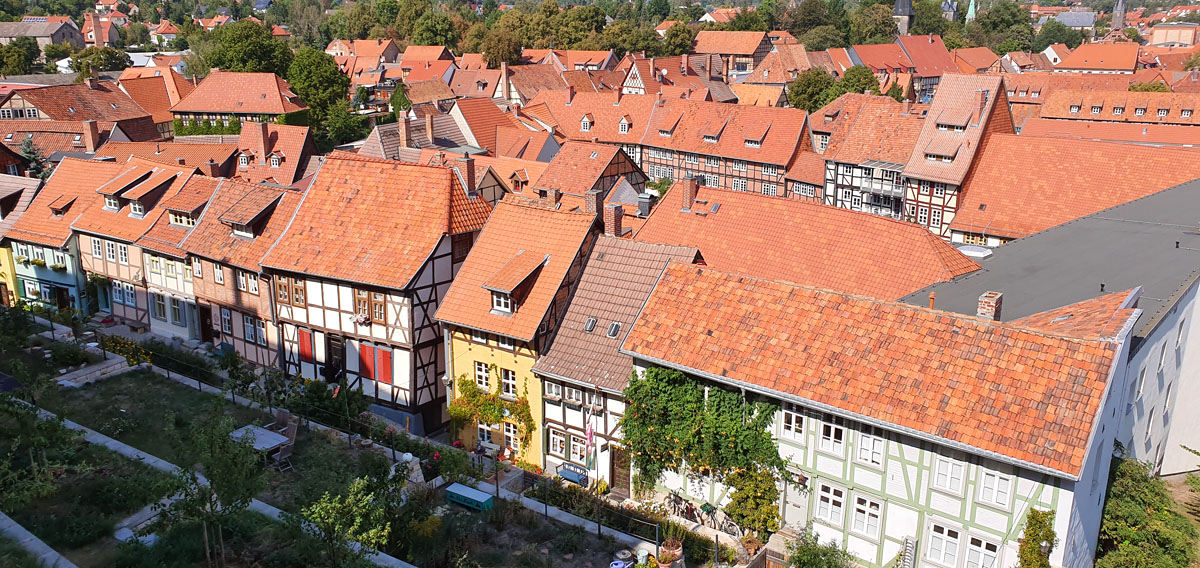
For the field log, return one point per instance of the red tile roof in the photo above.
(77, 101)
(1102, 57)
(884, 57)
(827, 118)
(151, 181)
(956, 379)
(759, 95)
(808, 167)
(875, 130)
(415, 53)
(212, 239)
(724, 15)
(781, 66)
(72, 191)
(778, 129)
(1059, 104)
(958, 98)
(577, 167)
(974, 59)
(928, 55)
(193, 154)
(516, 229)
(503, 166)
(1002, 200)
(293, 144)
(475, 83)
(728, 43)
(571, 59)
(428, 91)
(374, 221)
(471, 62)
(241, 93)
(434, 70)
(51, 135)
(1148, 134)
(520, 142)
(482, 118)
(529, 80)
(806, 243)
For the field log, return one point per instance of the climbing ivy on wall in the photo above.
(474, 405)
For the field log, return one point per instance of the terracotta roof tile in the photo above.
(974, 59)
(514, 273)
(875, 130)
(928, 55)
(804, 242)
(50, 135)
(504, 167)
(980, 384)
(471, 62)
(193, 154)
(808, 167)
(781, 66)
(513, 227)
(149, 181)
(529, 80)
(1059, 105)
(241, 93)
(759, 95)
(615, 283)
(1148, 134)
(955, 94)
(1102, 57)
(689, 121)
(10, 186)
(514, 142)
(577, 167)
(1001, 200)
(77, 101)
(483, 117)
(415, 53)
(428, 91)
(166, 238)
(293, 144)
(249, 207)
(475, 82)
(212, 238)
(889, 57)
(726, 43)
(373, 221)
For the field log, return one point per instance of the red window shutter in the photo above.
(384, 370)
(366, 360)
(306, 345)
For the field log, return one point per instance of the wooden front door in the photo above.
(335, 357)
(4, 299)
(619, 476)
(206, 323)
(62, 297)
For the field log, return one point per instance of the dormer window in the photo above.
(1095, 109)
(1139, 111)
(710, 138)
(664, 133)
(938, 158)
(240, 230)
(1074, 109)
(623, 127)
(585, 125)
(136, 208)
(244, 161)
(182, 219)
(274, 161)
(753, 143)
(1185, 113)
(111, 203)
(501, 302)
(78, 138)
(8, 137)
(1118, 111)
(1162, 112)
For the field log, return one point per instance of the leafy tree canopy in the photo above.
(316, 78)
(99, 59)
(807, 91)
(1141, 526)
(678, 40)
(873, 24)
(246, 46)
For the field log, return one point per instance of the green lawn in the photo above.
(13, 556)
(136, 407)
(35, 362)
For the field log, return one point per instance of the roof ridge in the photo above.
(913, 307)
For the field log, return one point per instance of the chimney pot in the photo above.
(429, 128)
(91, 135)
(468, 172)
(932, 297)
(179, 161)
(612, 219)
(570, 93)
(643, 205)
(989, 305)
(402, 132)
(691, 186)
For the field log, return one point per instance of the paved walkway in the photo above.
(257, 506)
(45, 555)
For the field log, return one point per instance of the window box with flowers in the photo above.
(23, 260)
(38, 262)
(58, 267)
(362, 319)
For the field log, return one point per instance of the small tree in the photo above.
(808, 552)
(338, 521)
(1039, 528)
(1149, 87)
(38, 166)
(754, 503)
(806, 91)
(233, 470)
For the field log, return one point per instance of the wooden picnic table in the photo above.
(264, 440)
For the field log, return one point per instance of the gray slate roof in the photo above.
(1077, 19)
(616, 281)
(1130, 245)
(384, 141)
(32, 29)
(10, 186)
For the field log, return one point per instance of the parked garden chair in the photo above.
(292, 428)
(282, 419)
(282, 458)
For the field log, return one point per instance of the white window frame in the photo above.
(832, 435)
(60, 259)
(252, 281)
(981, 553)
(479, 336)
(872, 447)
(770, 170)
(830, 505)
(110, 251)
(118, 293)
(948, 539)
(112, 203)
(505, 343)
(712, 162)
(512, 436)
(226, 321)
(218, 274)
(995, 489)
(866, 509)
(578, 449)
(508, 382)
(275, 161)
(249, 332)
(791, 423)
(770, 189)
(739, 166)
(481, 375)
(197, 268)
(502, 302)
(97, 248)
(136, 208)
(558, 443)
(1162, 358)
(739, 184)
(945, 473)
(123, 254)
(261, 324)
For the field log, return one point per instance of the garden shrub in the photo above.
(67, 354)
(181, 361)
(69, 530)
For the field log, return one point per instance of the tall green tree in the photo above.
(927, 18)
(873, 24)
(678, 40)
(1039, 529)
(39, 167)
(434, 29)
(657, 10)
(361, 18)
(316, 78)
(1054, 31)
(338, 521)
(1002, 16)
(57, 51)
(99, 59)
(821, 38)
(807, 91)
(27, 46)
(806, 15)
(1141, 525)
(501, 45)
(246, 46)
(410, 12)
(859, 79)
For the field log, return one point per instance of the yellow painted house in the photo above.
(15, 194)
(503, 307)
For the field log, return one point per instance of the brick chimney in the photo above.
(467, 169)
(593, 202)
(179, 160)
(981, 100)
(570, 94)
(553, 196)
(612, 219)
(504, 80)
(402, 132)
(690, 187)
(989, 305)
(429, 127)
(91, 135)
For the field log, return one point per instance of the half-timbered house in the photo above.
(373, 248)
(965, 112)
(110, 233)
(225, 250)
(929, 448)
(583, 374)
(867, 151)
(588, 175)
(505, 305)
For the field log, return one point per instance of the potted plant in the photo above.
(671, 549)
(752, 544)
(23, 260)
(362, 319)
(38, 262)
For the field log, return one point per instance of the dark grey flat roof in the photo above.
(1123, 247)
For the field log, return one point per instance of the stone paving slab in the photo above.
(45, 555)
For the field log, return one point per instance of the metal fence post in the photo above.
(656, 543)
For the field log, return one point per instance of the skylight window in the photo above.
(589, 325)
(613, 329)
(594, 154)
(71, 109)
